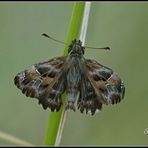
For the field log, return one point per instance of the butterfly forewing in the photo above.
(43, 81)
(107, 85)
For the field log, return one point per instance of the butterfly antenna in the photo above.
(106, 48)
(46, 35)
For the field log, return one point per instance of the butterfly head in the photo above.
(76, 47)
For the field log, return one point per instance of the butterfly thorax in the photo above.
(75, 68)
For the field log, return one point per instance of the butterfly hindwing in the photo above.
(44, 81)
(87, 100)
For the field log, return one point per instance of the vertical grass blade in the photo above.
(85, 22)
(56, 118)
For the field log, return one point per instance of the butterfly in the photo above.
(85, 81)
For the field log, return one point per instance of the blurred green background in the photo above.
(121, 25)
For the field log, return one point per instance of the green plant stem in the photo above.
(75, 24)
(56, 117)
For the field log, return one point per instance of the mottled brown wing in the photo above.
(44, 81)
(108, 87)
